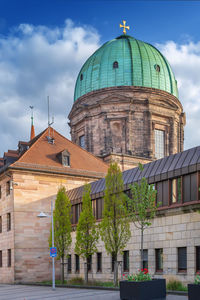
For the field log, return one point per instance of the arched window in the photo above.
(115, 65)
(81, 77)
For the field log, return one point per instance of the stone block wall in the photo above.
(168, 233)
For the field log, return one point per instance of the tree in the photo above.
(115, 227)
(86, 233)
(142, 206)
(62, 227)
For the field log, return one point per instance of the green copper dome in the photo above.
(125, 61)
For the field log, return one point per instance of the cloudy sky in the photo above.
(43, 45)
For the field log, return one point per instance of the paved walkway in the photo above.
(24, 292)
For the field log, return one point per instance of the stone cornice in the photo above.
(56, 171)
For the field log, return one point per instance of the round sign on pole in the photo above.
(53, 251)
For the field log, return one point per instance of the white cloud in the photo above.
(36, 61)
(185, 62)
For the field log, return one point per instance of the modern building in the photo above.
(172, 243)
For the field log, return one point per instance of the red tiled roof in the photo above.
(11, 153)
(45, 154)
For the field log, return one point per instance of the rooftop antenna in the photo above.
(49, 138)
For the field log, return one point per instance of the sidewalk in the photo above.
(25, 292)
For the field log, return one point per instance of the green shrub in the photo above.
(176, 285)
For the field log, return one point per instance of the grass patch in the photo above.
(176, 285)
(80, 281)
(56, 282)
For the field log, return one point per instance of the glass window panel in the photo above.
(69, 263)
(159, 260)
(82, 141)
(77, 263)
(145, 259)
(159, 143)
(99, 262)
(9, 257)
(198, 258)
(182, 259)
(1, 260)
(173, 190)
(126, 261)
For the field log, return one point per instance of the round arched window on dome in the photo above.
(157, 68)
(115, 65)
(81, 77)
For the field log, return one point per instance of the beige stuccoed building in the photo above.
(29, 179)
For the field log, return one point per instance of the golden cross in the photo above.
(124, 26)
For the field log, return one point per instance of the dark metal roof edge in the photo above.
(149, 168)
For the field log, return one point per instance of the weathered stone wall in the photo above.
(121, 120)
(167, 232)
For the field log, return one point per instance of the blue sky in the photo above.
(43, 44)
(153, 21)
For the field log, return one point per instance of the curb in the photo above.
(180, 293)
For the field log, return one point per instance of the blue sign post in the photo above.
(53, 251)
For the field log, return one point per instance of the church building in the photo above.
(126, 106)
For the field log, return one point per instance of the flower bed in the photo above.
(194, 289)
(141, 286)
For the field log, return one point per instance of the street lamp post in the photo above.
(43, 215)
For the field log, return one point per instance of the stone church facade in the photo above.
(127, 123)
(120, 123)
